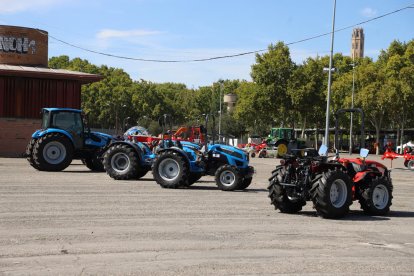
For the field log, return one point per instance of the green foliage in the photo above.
(282, 93)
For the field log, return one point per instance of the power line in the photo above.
(226, 56)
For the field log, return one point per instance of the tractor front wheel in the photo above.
(52, 152)
(228, 178)
(376, 199)
(333, 194)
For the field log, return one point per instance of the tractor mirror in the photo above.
(323, 150)
(364, 153)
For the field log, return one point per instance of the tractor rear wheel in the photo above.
(29, 153)
(121, 162)
(52, 152)
(376, 199)
(282, 149)
(333, 194)
(278, 196)
(94, 163)
(410, 165)
(245, 183)
(193, 178)
(228, 178)
(170, 170)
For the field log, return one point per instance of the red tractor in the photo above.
(332, 185)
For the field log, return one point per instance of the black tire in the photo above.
(171, 170)
(52, 152)
(406, 163)
(94, 163)
(332, 194)
(142, 173)
(29, 153)
(228, 178)
(253, 155)
(245, 183)
(377, 198)
(193, 178)
(278, 196)
(410, 165)
(121, 162)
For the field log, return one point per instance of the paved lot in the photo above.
(78, 222)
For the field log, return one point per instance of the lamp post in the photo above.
(352, 106)
(330, 79)
(124, 123)
(221, 90)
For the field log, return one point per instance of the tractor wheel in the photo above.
(121, 162)
(94, 163)
(52, 152)
(29, 153)
(170, 170)
(193, 178)
(228, 178)
(281, 149)
(410, 165)
(376, 199)
(142, 173)
(278, 196)
(333, 194)
(245, 183)
(406, 163)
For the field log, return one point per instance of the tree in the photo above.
(272, 72)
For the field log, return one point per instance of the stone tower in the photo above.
(358, 40)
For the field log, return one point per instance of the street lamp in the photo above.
(124, 122)
(330, 79)
(352, 106)
(221, 90)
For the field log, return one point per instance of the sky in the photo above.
(195, 29)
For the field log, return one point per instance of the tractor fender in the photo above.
(280, 141)
(40, 133)
(362, 175)
(136, 148)
(177, 150)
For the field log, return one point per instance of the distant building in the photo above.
(27, 85)
(358, 41)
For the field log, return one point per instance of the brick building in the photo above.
(27, 85)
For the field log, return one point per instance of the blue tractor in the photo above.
(182, 164)
(64, 136)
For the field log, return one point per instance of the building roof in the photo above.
(47, 73)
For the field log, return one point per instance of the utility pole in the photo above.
(352, 106)
(221, 89)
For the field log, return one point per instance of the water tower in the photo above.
(230, 100)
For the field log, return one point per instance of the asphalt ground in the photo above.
(78, 222)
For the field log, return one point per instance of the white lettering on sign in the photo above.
(19, 45)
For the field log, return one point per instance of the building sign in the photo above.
(17, 45)
(23, 46)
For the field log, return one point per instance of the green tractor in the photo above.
(283, 139)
